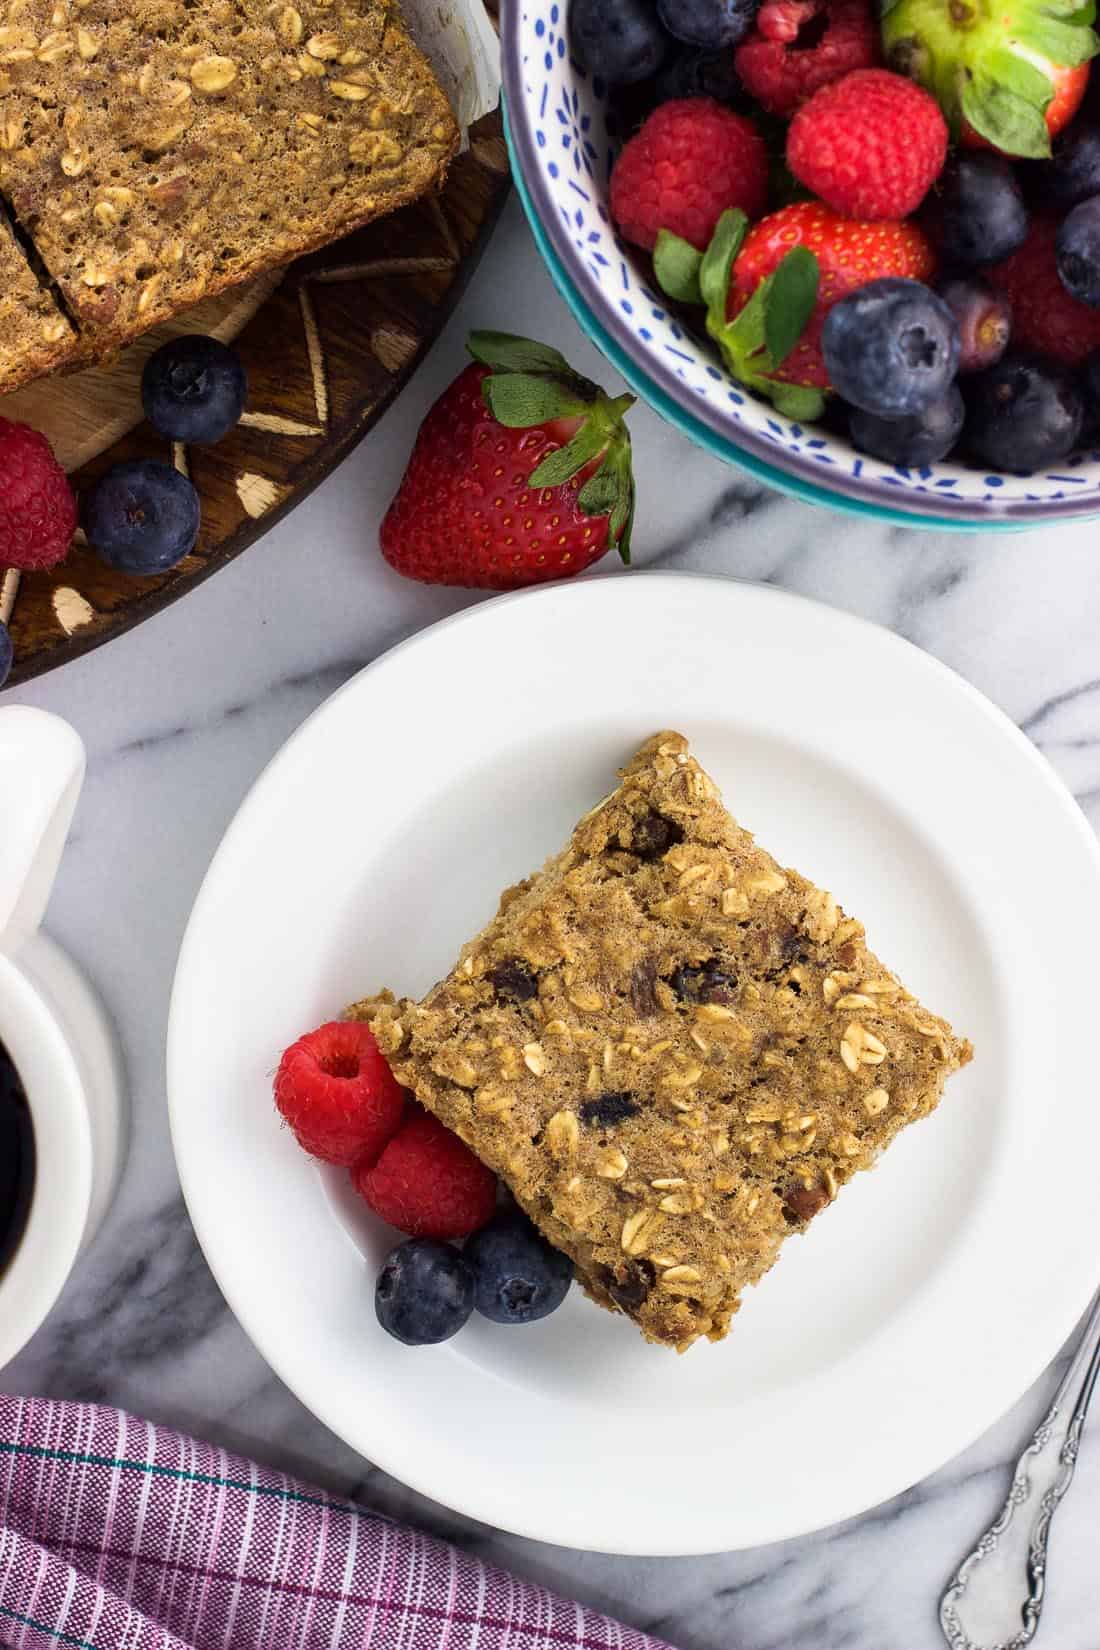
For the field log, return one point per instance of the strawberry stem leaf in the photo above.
(1018, 76)
(1071, 11)
(600, 494)
(798, 402)
(676, 264)
(621, 525)
(717, 265)
(506, 352)
(1069, 40)
(742, 338)
(1004, 119)
(763, 333)
(521, 400)
(790, 302)
(561, 466)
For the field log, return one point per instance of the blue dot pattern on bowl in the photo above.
(566, 114)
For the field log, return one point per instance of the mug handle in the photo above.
(42, 764)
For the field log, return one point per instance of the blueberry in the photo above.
(715, 24)
(193, 389)
(654, 835)
(692, 73)
(7, 653)
(1077, 251)
(891, 347)
(608, 1109)
(622, 40)
(1022, 414)
(982, 216)
(922, 438)
(1072, 174)
(983, 316)
(141, 517)
(514, 981)
(518, 1277)
(1090, 385)
(424, 1293)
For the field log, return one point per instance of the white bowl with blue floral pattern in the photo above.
(562, 138)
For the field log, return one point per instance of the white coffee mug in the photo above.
(52, 1025)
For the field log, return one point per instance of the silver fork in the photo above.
(994, 1599)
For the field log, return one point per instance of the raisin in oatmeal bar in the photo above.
(672, 1050)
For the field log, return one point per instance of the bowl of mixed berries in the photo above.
(851, 245)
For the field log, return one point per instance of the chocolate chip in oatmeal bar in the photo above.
(673, 1050)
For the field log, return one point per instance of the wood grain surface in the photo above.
(326, 345)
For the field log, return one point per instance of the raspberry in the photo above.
(690, 161)
(37, 506)
(869, 145)
(799, 46)
(427, 1182)
(1044, 316)
(338, 1094)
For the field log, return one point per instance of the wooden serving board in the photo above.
(326, 345)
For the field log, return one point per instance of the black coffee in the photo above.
(16, 1159)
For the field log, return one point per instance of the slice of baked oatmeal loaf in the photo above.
(672, 1050)
(157, 151)
(35, 337)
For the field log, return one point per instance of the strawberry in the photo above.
(768, 289)
(1044, 315)
(1011, 75)
(1070, 82)
(756, 341)
(520, 473)
(849, 253)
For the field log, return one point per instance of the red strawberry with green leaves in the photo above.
(1011, 75)
(767, 317)
(756, 341)
(521, 473)
(849, 253)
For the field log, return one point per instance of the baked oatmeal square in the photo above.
(671, 1049)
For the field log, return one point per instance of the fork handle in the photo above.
(994, 1599)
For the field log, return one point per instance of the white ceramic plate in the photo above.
(377, 841)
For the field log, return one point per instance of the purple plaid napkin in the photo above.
(119, 1535)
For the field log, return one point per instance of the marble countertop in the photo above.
(180, 716)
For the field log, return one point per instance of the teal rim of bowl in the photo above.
(702, 435)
